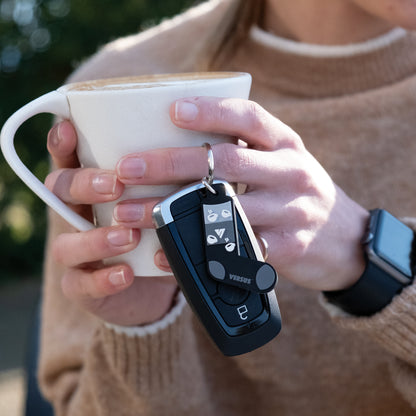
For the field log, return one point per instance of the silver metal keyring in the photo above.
(207, 180)
(264, 246)
(210, 177)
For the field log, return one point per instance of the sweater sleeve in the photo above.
(394, 328)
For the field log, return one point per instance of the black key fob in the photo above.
(205, 237)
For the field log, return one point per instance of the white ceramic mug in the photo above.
(116, 117)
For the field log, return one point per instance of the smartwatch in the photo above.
(389, 247)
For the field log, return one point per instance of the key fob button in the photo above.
(210, 284)
(235, 315)
(216, 269)
(231, 294)
(265, 277)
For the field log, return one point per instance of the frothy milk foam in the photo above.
(147, 81)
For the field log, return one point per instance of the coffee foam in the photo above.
(148, 81)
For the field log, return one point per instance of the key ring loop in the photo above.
(264, 246)
(209, 179)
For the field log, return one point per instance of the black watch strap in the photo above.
(372, 292)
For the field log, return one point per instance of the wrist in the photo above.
(351, 264)
(143, 330)
(157, 309)
(149, 299)
(388, 249)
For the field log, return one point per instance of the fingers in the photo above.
(61, 144)
(84, 186)
(162, 166)
(235, 117)
(75, 249)
(232, 163)
(116, 296)
(79, 251)
(85, 284)
(112, 293)
(162, 262)
(172, 165)
(261, 207)
(135, 213)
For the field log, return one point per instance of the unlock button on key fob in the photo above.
(246, 311)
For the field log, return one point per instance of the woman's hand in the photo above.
(110, 292)
(312, 227)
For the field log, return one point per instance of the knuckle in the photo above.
(50, 181)
(296, 141)
(92, 243)
(172, 165)
(81, 187)
(292, 139)
(97, 246)
(98, 284)
(217, 112)
(233, 160)
(295, 245)
(229, 159)
(74, 189)
(299, 214)
(220, 112)
(257, 117)
(80, 184)
(59, 182)
(302, 180)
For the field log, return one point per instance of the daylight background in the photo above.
(41, 43)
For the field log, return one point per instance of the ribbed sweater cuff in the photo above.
(394, 327)
(147, 361)
(140, 331)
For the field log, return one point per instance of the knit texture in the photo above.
(356, 115)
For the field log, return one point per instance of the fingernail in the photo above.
(162, 260)
(117, 278)
(131, 167)
(185, 111)
(120, 237)
(56, 137)
(105, 183)
(129, 212)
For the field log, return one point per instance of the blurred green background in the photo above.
(41, 42)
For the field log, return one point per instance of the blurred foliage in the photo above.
(41, 42)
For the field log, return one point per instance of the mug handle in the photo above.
(54, 102)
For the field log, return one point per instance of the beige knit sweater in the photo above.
(355, 108)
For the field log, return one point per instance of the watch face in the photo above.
(394, 243)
